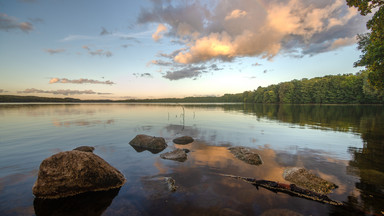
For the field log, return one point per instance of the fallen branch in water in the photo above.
(290, 189)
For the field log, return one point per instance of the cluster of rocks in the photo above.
(79, 171)
(296, 175)
(155, 145)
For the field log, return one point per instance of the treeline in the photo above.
(332, 89)
(18, 99)
(227, 98)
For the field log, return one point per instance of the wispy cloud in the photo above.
(28, 1)
(80, 81)
(98, 52)
(264, 29)
(8, 23)
(104, 31)
(36, 20)
(54, 51)
(78, 37)
(159, 63)
(186, 72)
(148, 75)
(61, 92)
(107, 35)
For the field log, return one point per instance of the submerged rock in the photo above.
(177, 155)
(183, 140)
(144, 142)
(247, 155)
(171, 184)
(85, 148)
(159, 187)
(303, 178)
(73, 172)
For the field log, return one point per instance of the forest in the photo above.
(331, 89)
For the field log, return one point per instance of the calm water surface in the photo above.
(343, 144)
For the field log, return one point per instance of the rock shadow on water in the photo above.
(85, 204)
(141, 149)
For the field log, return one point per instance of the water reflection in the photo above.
(59, 123)
(87, 204)
(202, 190)
(141, 149)
(285, 136)
(367, 121)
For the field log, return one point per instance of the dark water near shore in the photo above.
(343, 144)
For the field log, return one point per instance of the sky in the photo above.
(125, 49)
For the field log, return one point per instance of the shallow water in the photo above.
(342, 144)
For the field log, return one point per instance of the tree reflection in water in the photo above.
(367, 121)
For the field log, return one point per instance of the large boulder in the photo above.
(73, 172)
(177, 155)
(183, 140)
(247, 155)
(144, 142)
(305, 179)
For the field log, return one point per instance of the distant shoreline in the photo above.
(15, 99)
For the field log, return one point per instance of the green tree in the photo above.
(286, 92)
(372, 44)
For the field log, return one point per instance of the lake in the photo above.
(340, 143)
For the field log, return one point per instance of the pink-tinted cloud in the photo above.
(236, 14)
(60, 92)
(159, 32)
(233, 29)
(8, 23)
(80, 81)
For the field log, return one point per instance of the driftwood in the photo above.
(290, 189)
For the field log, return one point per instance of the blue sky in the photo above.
(163, 48)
